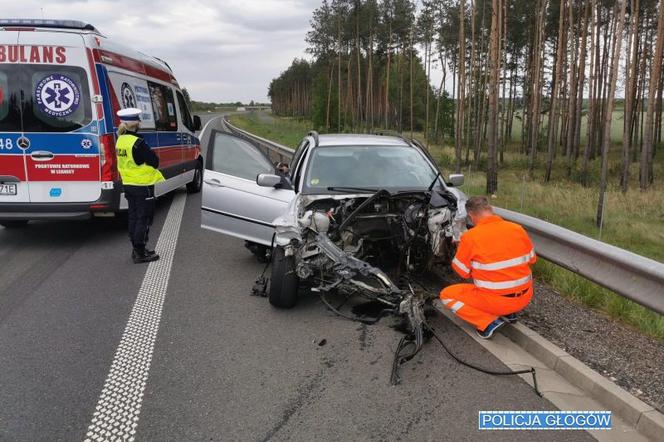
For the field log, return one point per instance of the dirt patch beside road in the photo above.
(620, 353)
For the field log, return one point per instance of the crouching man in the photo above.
(497, 255)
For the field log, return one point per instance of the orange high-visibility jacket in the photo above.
(497, 254)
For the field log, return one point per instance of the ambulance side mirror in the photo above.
(197, 122)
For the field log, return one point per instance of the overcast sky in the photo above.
(221, 51)
(224, 50)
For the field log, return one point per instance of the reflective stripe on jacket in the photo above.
(134, 174)
(497, 255)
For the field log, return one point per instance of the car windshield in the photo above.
(371, 167)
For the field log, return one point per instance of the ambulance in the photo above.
(61, 84)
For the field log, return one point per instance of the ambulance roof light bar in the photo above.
(45, 23)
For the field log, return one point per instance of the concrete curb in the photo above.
(647, 421)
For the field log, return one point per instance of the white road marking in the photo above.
(200, 134)
(116, 415)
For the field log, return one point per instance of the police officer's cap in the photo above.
(130, 114)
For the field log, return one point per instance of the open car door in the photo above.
(232, 202)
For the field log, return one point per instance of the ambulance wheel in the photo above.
(14, 224)
(284, 282)
(197, 183)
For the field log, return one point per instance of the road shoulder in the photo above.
(568, 383)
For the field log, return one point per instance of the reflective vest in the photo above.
(497, 255)
(133, 174)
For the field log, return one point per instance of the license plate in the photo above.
(8, 189)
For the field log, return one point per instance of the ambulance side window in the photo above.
(184, 112)
(163, 105)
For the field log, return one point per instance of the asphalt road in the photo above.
(226, 365)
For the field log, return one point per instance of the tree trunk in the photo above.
(439, 98)
(537, 88)
(553, 111)
(460, 89)
(630, 79)
(411, 49)
(387, 77)
(339, 74)
(658, 118)
(608, 116)
(471, 81)
(580, 86)
(329, 96)
(638, 136)
(503, 102)
(494, 55)
(646, 177)
(427, 56)
(572, 83)
(592, 101)
(480, 98)
(369, 83)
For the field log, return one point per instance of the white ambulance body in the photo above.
(61, 84)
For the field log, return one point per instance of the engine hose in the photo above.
(417, 339)
(334, 310)
(364, 204)
(482, 369)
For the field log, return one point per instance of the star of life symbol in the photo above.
(128, 97)
(86, 143)
(57, 95)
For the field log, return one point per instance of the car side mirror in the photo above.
(268, 180)
(456, 179)
(197, 122)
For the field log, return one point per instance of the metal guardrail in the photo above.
(630, 275)
(276, 152)
(633, 276)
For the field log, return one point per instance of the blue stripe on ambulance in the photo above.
(102, 75)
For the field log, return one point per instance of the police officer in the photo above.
(138, 167)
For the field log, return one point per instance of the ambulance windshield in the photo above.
(43, 98)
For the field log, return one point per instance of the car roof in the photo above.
(360, 140)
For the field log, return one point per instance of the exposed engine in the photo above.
(369, 245)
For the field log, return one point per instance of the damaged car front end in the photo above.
(357, 216)
(368, 244)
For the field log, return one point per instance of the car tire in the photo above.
(196, 184)
(284, 281)
(14, 224)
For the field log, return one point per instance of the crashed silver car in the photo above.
(358, 214)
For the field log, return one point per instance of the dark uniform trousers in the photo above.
(141, 212)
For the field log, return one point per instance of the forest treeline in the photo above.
(539, 76)
(365, 73)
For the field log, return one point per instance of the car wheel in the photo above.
(284, 282)
(14, 224)
(197, 183)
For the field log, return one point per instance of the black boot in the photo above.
(142, 256)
